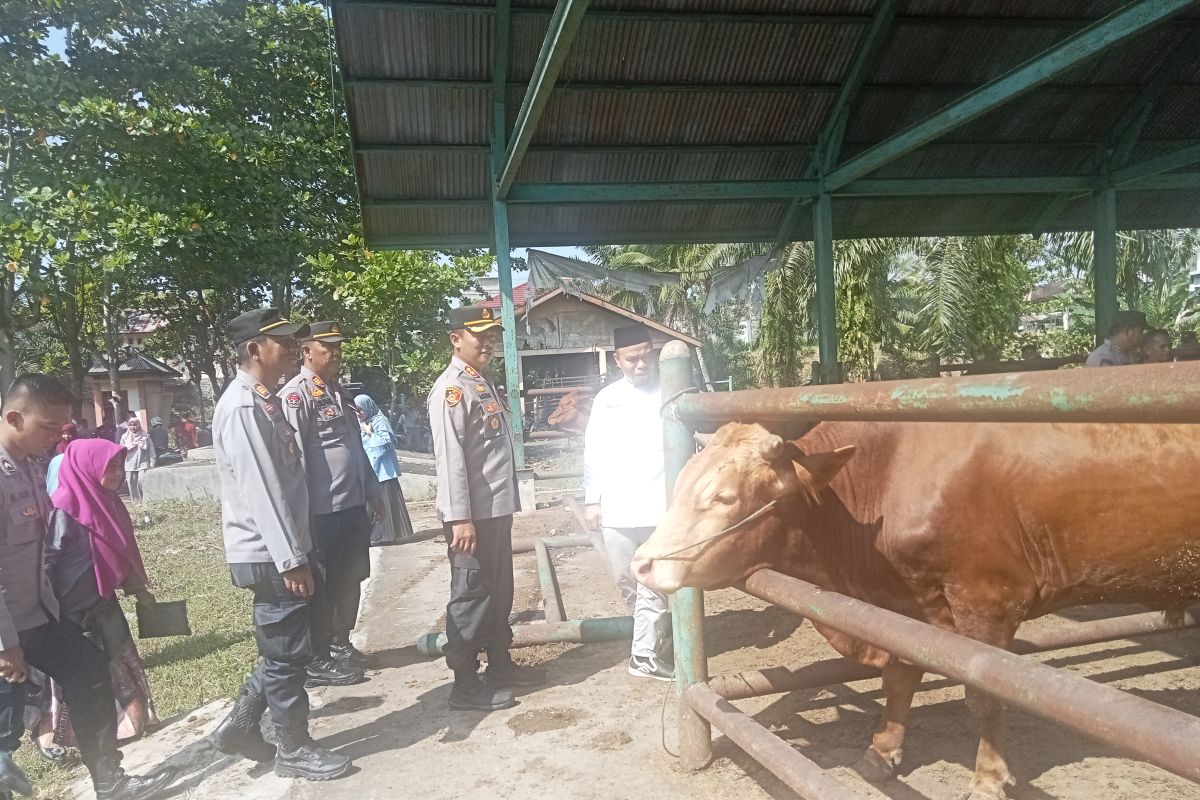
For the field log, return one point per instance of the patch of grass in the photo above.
(185, 559)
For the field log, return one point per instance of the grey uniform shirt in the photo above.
(26, 597)
(339, 472)
(1108, 355)
(472, 444)
(264, 497)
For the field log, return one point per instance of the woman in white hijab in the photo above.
(140, 456)
(380, 443)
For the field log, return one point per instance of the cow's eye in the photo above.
(724, 498)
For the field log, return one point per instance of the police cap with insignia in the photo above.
(476, 319)
(630, 335)
(325, 331)
(263, 322)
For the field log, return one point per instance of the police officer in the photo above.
(341, 483)
(269, 547)
(476, 498)
(35, 408)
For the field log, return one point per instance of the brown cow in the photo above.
(973, 528)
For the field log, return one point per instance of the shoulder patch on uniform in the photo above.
(262, 391)
(474, 373)
(453, 395)
(316, 379)
(293, 400)
(9, 467)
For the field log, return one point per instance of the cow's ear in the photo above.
(819, 468)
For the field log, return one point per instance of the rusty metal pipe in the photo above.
(778, 680)
(549, 435)
(552, 542)
(1147, 730)
(571, 631)
(557, 476)
(1163, 393)
(1077, 634)
(797, 771)
(551, 594)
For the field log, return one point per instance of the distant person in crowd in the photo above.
(124, 426)
(68, 434)
(625, 493)
(91, 552)
(140, 456)
(1156, 347)
(84, 431)
(185, 435)
(343, 495)
(270, 549)
(1124, 338)
(1030, 352)
(158, 434)
(32, 629)
(380, 443)
(106, 430)
(1188, 339)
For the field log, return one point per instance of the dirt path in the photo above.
(594, 733)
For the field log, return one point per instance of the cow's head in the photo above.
(740, 470)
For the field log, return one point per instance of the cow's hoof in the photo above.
(875, 768)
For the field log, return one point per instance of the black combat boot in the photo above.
(111, 782)
(471, 694)
(12, 779)
(239, 733)
(327, 672)
(349, 655)
(504, 673)
(300, 757)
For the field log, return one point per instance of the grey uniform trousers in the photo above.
(651, 631)
(481, 596)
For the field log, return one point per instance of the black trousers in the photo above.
(344, 550)
(60, 650)
(283, 629)
(481, 596)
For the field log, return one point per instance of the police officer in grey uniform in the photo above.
(269, 547)
(476, 498)
(341, 483)
(30, 629)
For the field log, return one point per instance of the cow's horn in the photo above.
(771, 448)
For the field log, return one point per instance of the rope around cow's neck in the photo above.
(734, 528)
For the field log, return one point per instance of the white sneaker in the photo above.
(650, 667)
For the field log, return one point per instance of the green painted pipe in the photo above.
(687, 605)
(572, 631)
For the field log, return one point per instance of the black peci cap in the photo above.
(476, 319)
(1128, 318)
(263, 322)
(630, 335)
(325, 331)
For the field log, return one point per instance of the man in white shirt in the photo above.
(625, 489)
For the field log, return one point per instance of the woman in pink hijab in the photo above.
(91, 552)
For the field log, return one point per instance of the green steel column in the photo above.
(1104, 260)
(512, 373)
(687, 605)
(827, 342)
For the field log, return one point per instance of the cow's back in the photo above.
(1032, 517)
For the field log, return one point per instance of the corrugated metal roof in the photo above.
(695, 91)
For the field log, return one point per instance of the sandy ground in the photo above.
(593, 732)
